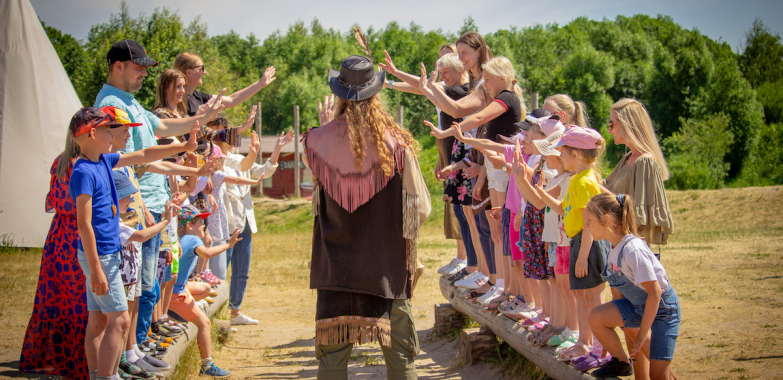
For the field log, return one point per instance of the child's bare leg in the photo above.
(202, 265)
(602, 321)
(204, 343)
(660, 370)
(591, 299)
(461, 253)
(582, 311)
(96, 325)
(511, 281)
(166, 295)
(535, 292)
(641, 365)
(133, 314)
(495, 232)
(112, 342)
(546, 303)
(564, 286)
(199, 290)
(559, 307)
(520, 274)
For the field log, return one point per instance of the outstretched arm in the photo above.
(240, 96)
(456, 109)
(213, 251)
(158, 152)
(178, 127)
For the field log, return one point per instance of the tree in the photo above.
(696, 153)
(762, 58)
(69, 49)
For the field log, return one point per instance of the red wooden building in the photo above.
(281, 184)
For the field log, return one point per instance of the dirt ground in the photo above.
(725, 260)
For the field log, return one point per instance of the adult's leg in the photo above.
(333, 361)
(404, 343)
(150, 251)
(240, 266)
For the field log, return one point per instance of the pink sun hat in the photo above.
(579, 137)
(216, 152)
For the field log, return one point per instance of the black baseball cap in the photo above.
(129, 50)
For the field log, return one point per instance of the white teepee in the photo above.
(37, 101)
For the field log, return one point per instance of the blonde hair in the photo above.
(576, 111)
(185, 61)
(369, 119)
(476, 42)
(623, 214)
(166, 79)
(501, 67)
(590, 156)
(451, 61)
(452, 46)
(69, 153)
(637, 130)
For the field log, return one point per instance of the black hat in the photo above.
(531, 119)
(356, 79)
(129, 50)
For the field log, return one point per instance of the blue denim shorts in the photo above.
(552, 254)
(114, 299)
(664, 330)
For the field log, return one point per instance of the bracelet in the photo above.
(391, 85)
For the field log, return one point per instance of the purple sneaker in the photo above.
(581, 359)
(592, 361)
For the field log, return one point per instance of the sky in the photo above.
(719, 19)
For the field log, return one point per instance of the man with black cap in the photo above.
(128, 62)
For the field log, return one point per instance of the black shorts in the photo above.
(595, 263)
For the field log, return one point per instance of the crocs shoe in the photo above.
(592, 361)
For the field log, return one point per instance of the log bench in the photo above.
(507, 329)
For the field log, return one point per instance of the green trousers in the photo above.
(333, 358)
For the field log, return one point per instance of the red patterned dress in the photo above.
(54, 342)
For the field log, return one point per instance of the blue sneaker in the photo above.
(215, 371)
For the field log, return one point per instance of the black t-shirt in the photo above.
(504, 124)
(455, 93)
(195, 100)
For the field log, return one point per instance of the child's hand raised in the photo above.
(260, 179)
(284, 139)
(437, 132)
(250, 119)
(234, 238)
(216, 107)
(192, 143)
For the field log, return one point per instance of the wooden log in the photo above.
(446, 319)
(507, 329)
(476, 344)
(178, 347)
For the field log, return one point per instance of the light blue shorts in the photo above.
(114, 299)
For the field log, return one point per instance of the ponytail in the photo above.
(580, 114)
(69, 153)
(576, 111)
(619, 207)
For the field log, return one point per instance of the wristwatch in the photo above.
(505, 167)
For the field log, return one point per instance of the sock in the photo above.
(104, 377)
(130, 356)
(93, 374)
(116, 377)
(138, 352)
(500, 283)
(461, 261)
(206, 362)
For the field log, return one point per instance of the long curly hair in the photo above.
(368, 122)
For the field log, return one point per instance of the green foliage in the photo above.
(770, 94)
(428, 159)
(761, 59)
(696, 153)
(764, 165)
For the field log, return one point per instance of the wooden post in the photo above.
(297, 190)
(534, 100)
(446, 319)
(476, 344)
(399, 115)
(259, 187)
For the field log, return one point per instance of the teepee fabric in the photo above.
(37, 101)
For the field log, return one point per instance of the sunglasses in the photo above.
(200, 67)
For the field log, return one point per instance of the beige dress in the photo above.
(643, 181)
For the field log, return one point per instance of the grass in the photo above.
(725, 260)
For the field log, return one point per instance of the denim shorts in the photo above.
(552, 254)
(114, 299)
(664, 330)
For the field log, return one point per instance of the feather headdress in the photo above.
(362, 42)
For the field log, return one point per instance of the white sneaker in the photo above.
(242, 319)
(456, 267)
(474, 280)
(447, 266)
(143, 364)
(493, 293)
(528, 312)
(203, 305)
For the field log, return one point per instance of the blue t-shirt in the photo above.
(187, 262)
(153, 186)
(95, 179)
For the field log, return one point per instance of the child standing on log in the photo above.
(643, 296)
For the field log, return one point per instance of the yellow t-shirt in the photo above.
(583, 187)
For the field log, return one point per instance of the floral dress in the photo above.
(457, 189)
(54, 341)
(217, 223)
(536, 257)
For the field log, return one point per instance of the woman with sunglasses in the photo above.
(195, 69)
